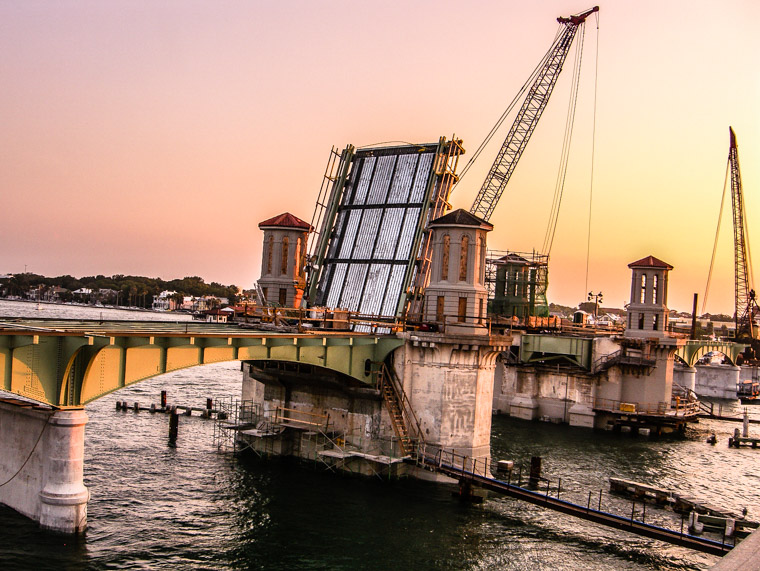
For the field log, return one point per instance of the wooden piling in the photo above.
(535, 471)
(173, 428)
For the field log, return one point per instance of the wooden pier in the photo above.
(702, 515)
(162, 407)
(642, 491)
(739, 441)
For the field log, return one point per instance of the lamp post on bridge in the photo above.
(597, 299)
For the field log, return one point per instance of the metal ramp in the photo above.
(476, 472)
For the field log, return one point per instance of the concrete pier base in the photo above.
(524, 407)
(717, 381)
(41, 466)
(581, 414)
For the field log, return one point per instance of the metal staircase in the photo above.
(404, 421)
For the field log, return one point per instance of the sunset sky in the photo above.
(150, 138)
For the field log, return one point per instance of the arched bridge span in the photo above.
(692, 351)
(70, 363)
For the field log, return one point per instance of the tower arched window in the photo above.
(463, 258)
(284, 262)
(643, 296)
(445, 258)
(270, 251)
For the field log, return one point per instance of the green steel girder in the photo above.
(543, 348)
(692, 351)
(70, 369)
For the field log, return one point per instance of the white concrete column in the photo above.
(63, 498)
(688, 378)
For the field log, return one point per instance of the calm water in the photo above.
(190, 507)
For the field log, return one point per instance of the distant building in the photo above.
(204, 303)
(83, 294)
(165, 301)
(219, 315)
(55, 293)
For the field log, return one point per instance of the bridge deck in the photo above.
(67, 363)
(72, 327)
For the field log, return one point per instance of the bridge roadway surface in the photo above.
(583, 512)
(68, 363)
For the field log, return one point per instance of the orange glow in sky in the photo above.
(150, 138)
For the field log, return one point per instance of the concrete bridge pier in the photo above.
(686, 377)
(717, 381)
(42, 464)
(449, 380)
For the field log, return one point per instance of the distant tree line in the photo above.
(129, 290)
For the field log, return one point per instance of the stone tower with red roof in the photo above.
(648, 310)
(456, 297)
(283, 259)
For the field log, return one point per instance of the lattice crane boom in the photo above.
(527, 118)
(744, 295)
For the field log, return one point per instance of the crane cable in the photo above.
(750, 271)
(593, 154)
(510, 107)
(559, 187)
(717, 234)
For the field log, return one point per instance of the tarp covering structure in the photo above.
(377, 212)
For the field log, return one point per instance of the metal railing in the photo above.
(324, 318)
(437, 458)
(300, 418)
(677, 407)
(411, 424)
(608, 360)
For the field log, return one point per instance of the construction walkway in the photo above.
(465, 470)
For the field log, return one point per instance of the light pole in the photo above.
(597, 299)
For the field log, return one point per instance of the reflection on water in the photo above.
(190, 507)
